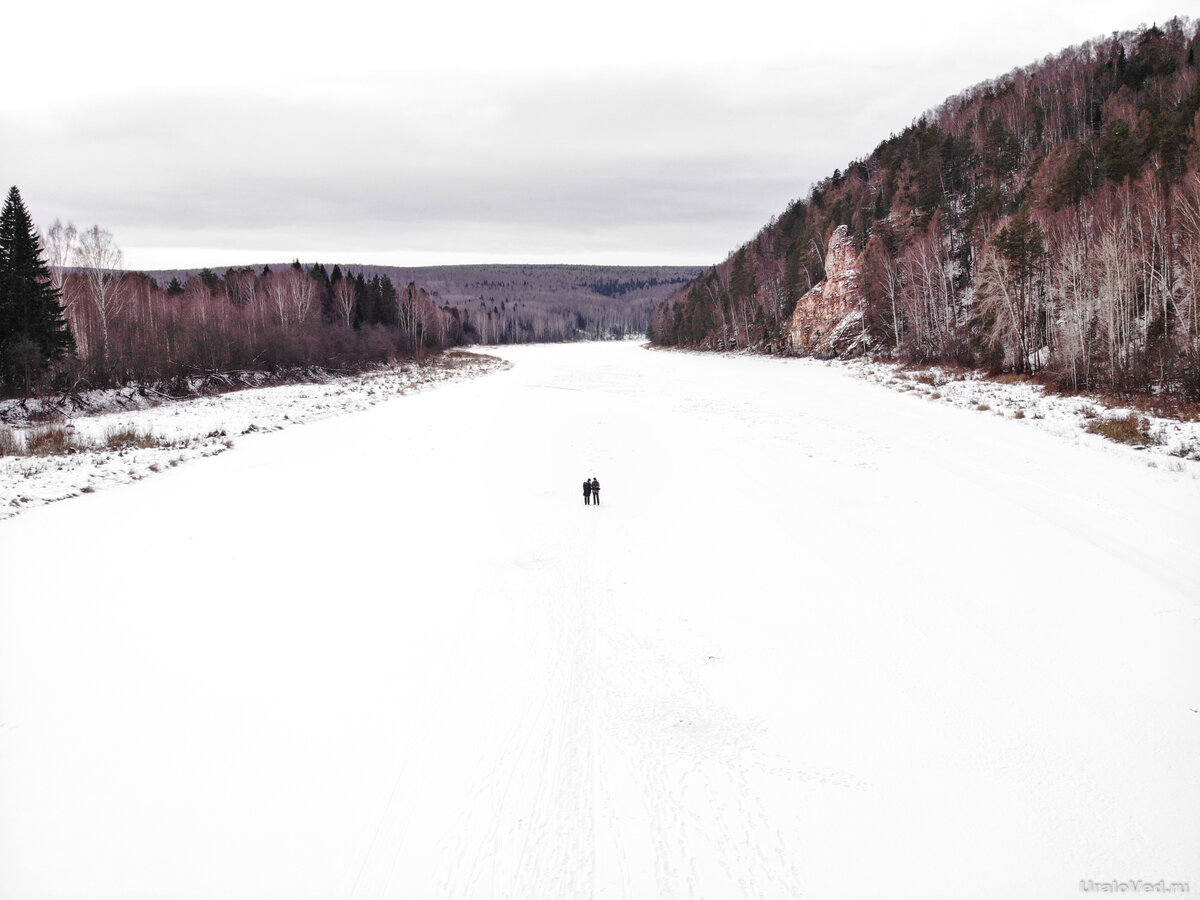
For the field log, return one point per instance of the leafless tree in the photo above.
(301, 295)
(343, 300)
(60, 246)
(98, 255)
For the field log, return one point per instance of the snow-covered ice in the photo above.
(194, 427)
(822, 639)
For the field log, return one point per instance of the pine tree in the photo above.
(324, 291)
(1010, 292)
(211, 280)
(33, 332)
(364, 302)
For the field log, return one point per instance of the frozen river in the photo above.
(821, 639)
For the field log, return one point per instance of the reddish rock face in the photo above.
(829, 319)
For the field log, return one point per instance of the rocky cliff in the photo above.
(830, 320)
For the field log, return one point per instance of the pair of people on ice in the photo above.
(591, 488)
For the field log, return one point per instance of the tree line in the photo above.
(72, 317)
(519, 322)
(613, 287)
(1047, 222)
(501, 304)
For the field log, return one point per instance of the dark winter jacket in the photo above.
(587, 488)
(595, 486)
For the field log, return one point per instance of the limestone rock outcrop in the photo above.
(830, 320)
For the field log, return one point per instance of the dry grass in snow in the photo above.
(1162, 439)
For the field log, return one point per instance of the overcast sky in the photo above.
(628, 131)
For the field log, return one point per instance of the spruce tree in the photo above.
(33, 332)
(211, 280)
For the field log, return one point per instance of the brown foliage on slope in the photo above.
(1045, 222)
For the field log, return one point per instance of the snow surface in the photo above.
(190, 428)
(821, 639)
(1067, 416)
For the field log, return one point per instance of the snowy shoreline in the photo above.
(198, 427)
(1172, 444)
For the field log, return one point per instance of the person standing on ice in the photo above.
(587, 493)
(596, 490)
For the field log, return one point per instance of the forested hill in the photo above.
(499, 304)
(83, 320)
(1044, 222)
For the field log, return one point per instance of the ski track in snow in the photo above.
(820, 640)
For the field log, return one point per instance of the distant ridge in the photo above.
(458, 285)
(508, 303)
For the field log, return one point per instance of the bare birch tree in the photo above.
(343, 300)
(98, 255)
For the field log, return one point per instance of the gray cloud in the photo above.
(588, 156)
(676, 162)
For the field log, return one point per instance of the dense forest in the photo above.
(507, 304)
(1046, 222)
(72, 317)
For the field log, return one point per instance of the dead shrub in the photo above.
(51, 440)
(1167, 406)
(456, 358)
(1009, 378)
(9, 443)
(126, 437)
(55, 440)
(1128, 429)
